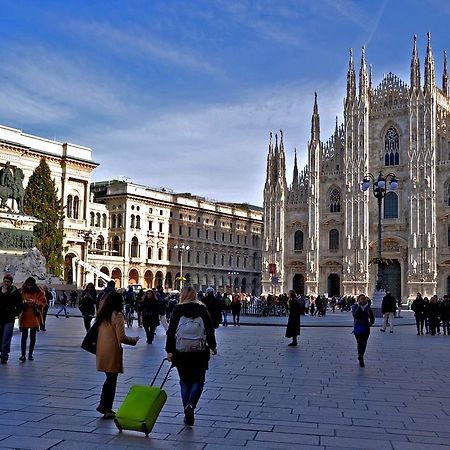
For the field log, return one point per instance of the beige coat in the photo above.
(109, 355)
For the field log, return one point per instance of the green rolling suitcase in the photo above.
(142, 405)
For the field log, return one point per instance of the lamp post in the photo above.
(379, 190)
(181, 248)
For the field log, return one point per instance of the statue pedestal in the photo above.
(377, 299)
(18, 255)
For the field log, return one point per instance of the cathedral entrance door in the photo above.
(393, 278)
(334, 285)
(298, 284)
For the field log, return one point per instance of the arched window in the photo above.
(97, 220)
(104, 220)
(391, 206)
(150, 253)
(76, 207)
(334, 239)
(335, 200)
(132, 221)
(391, 148)
(138, 222)
(116, 245)
(69, 206)
(160, 254)
(134, 247)
(100, 244)
(298, 240)
(119, 220)
(92, 219)
(113, 221)
(448, 196)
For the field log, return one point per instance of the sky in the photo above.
(183, 94)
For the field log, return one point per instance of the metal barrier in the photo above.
(262, 308)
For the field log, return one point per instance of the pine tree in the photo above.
(41, 201)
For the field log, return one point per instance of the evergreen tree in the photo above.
(41, 201)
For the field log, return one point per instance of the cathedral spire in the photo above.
(445, 75)
(295, 174)
(415, 68)
(315, 122)
(429, 67)
(351, 84)
(370, 77)
(363, 78)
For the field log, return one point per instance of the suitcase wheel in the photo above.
(145, 430)
(118, 425)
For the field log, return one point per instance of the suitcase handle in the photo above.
(159, 370)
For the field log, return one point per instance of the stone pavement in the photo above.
(259, 392)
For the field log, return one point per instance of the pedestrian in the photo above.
(73, 299)
(150, 315)
(163, 305)
(190, 352)
(33, 299)
(53, 300)
(388, 308)
(445, 314)
(109, 354)
(110, 287)
(293, 325)
(418, 306)
(10, 308)
(214, 307)
(363, 320)
(433, 316)
(63, 305)
(139, 299)
(87, 305)
(236, 306)
(48, 297)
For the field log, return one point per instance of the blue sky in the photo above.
(183, 94)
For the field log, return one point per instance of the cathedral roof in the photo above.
(391, 93)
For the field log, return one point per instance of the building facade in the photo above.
(127, 232)
(320, 232)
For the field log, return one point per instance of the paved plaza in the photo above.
(259, 393)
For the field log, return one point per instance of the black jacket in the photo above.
(150, 312)
(10, 305)
(389, 304)
(418, 306)
(190, 359)
(214, 308)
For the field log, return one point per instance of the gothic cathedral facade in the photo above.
(320, 232)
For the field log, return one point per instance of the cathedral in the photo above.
(321, 231)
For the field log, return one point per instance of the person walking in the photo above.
(33, 299)
(363, 320)
(293, 325)
(236, 306)
(110, 287)
(63, 302)
(163, 304)
(109, 354)
(10, 308)
(87, 305)
(445, 315)
(214, 307)
(388, 308)
(150, 314)
(418, 306)
(191, 364)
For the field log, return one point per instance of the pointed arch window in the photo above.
(92, 221)
(391, 147)
(138, 222)
(335, 200)
(76, 206)
(132, 221)
(160, 254)
(104, 220)
(116, 245)
(391, 206)
(113, 221)
(119, 220)
(298, 240)
(97, 220)
(334, 239)
(69, 206)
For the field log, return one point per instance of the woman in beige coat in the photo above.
(109, 355)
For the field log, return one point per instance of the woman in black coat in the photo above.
(191, 365)
(293, 325)
(87, 305)
(150, 314)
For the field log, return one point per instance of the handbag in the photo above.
(90, 340)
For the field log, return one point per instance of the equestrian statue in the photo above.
(11, 186)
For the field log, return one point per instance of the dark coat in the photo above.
(418, 306)
(214, 308)
(293, 325)
(389, 304)
(150, 312)
(87, 303)
(445, 309)
(190, 359)
(10, 305)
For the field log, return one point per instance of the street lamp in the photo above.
(379, 190)
(230, 274)
(181, 248)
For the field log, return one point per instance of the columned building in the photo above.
(134, 234)
(320, 232)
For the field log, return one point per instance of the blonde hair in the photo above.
(187, 295)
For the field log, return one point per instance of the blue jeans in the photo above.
(191, 383)
(225, 317)
(6, 333)
(63, 308)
